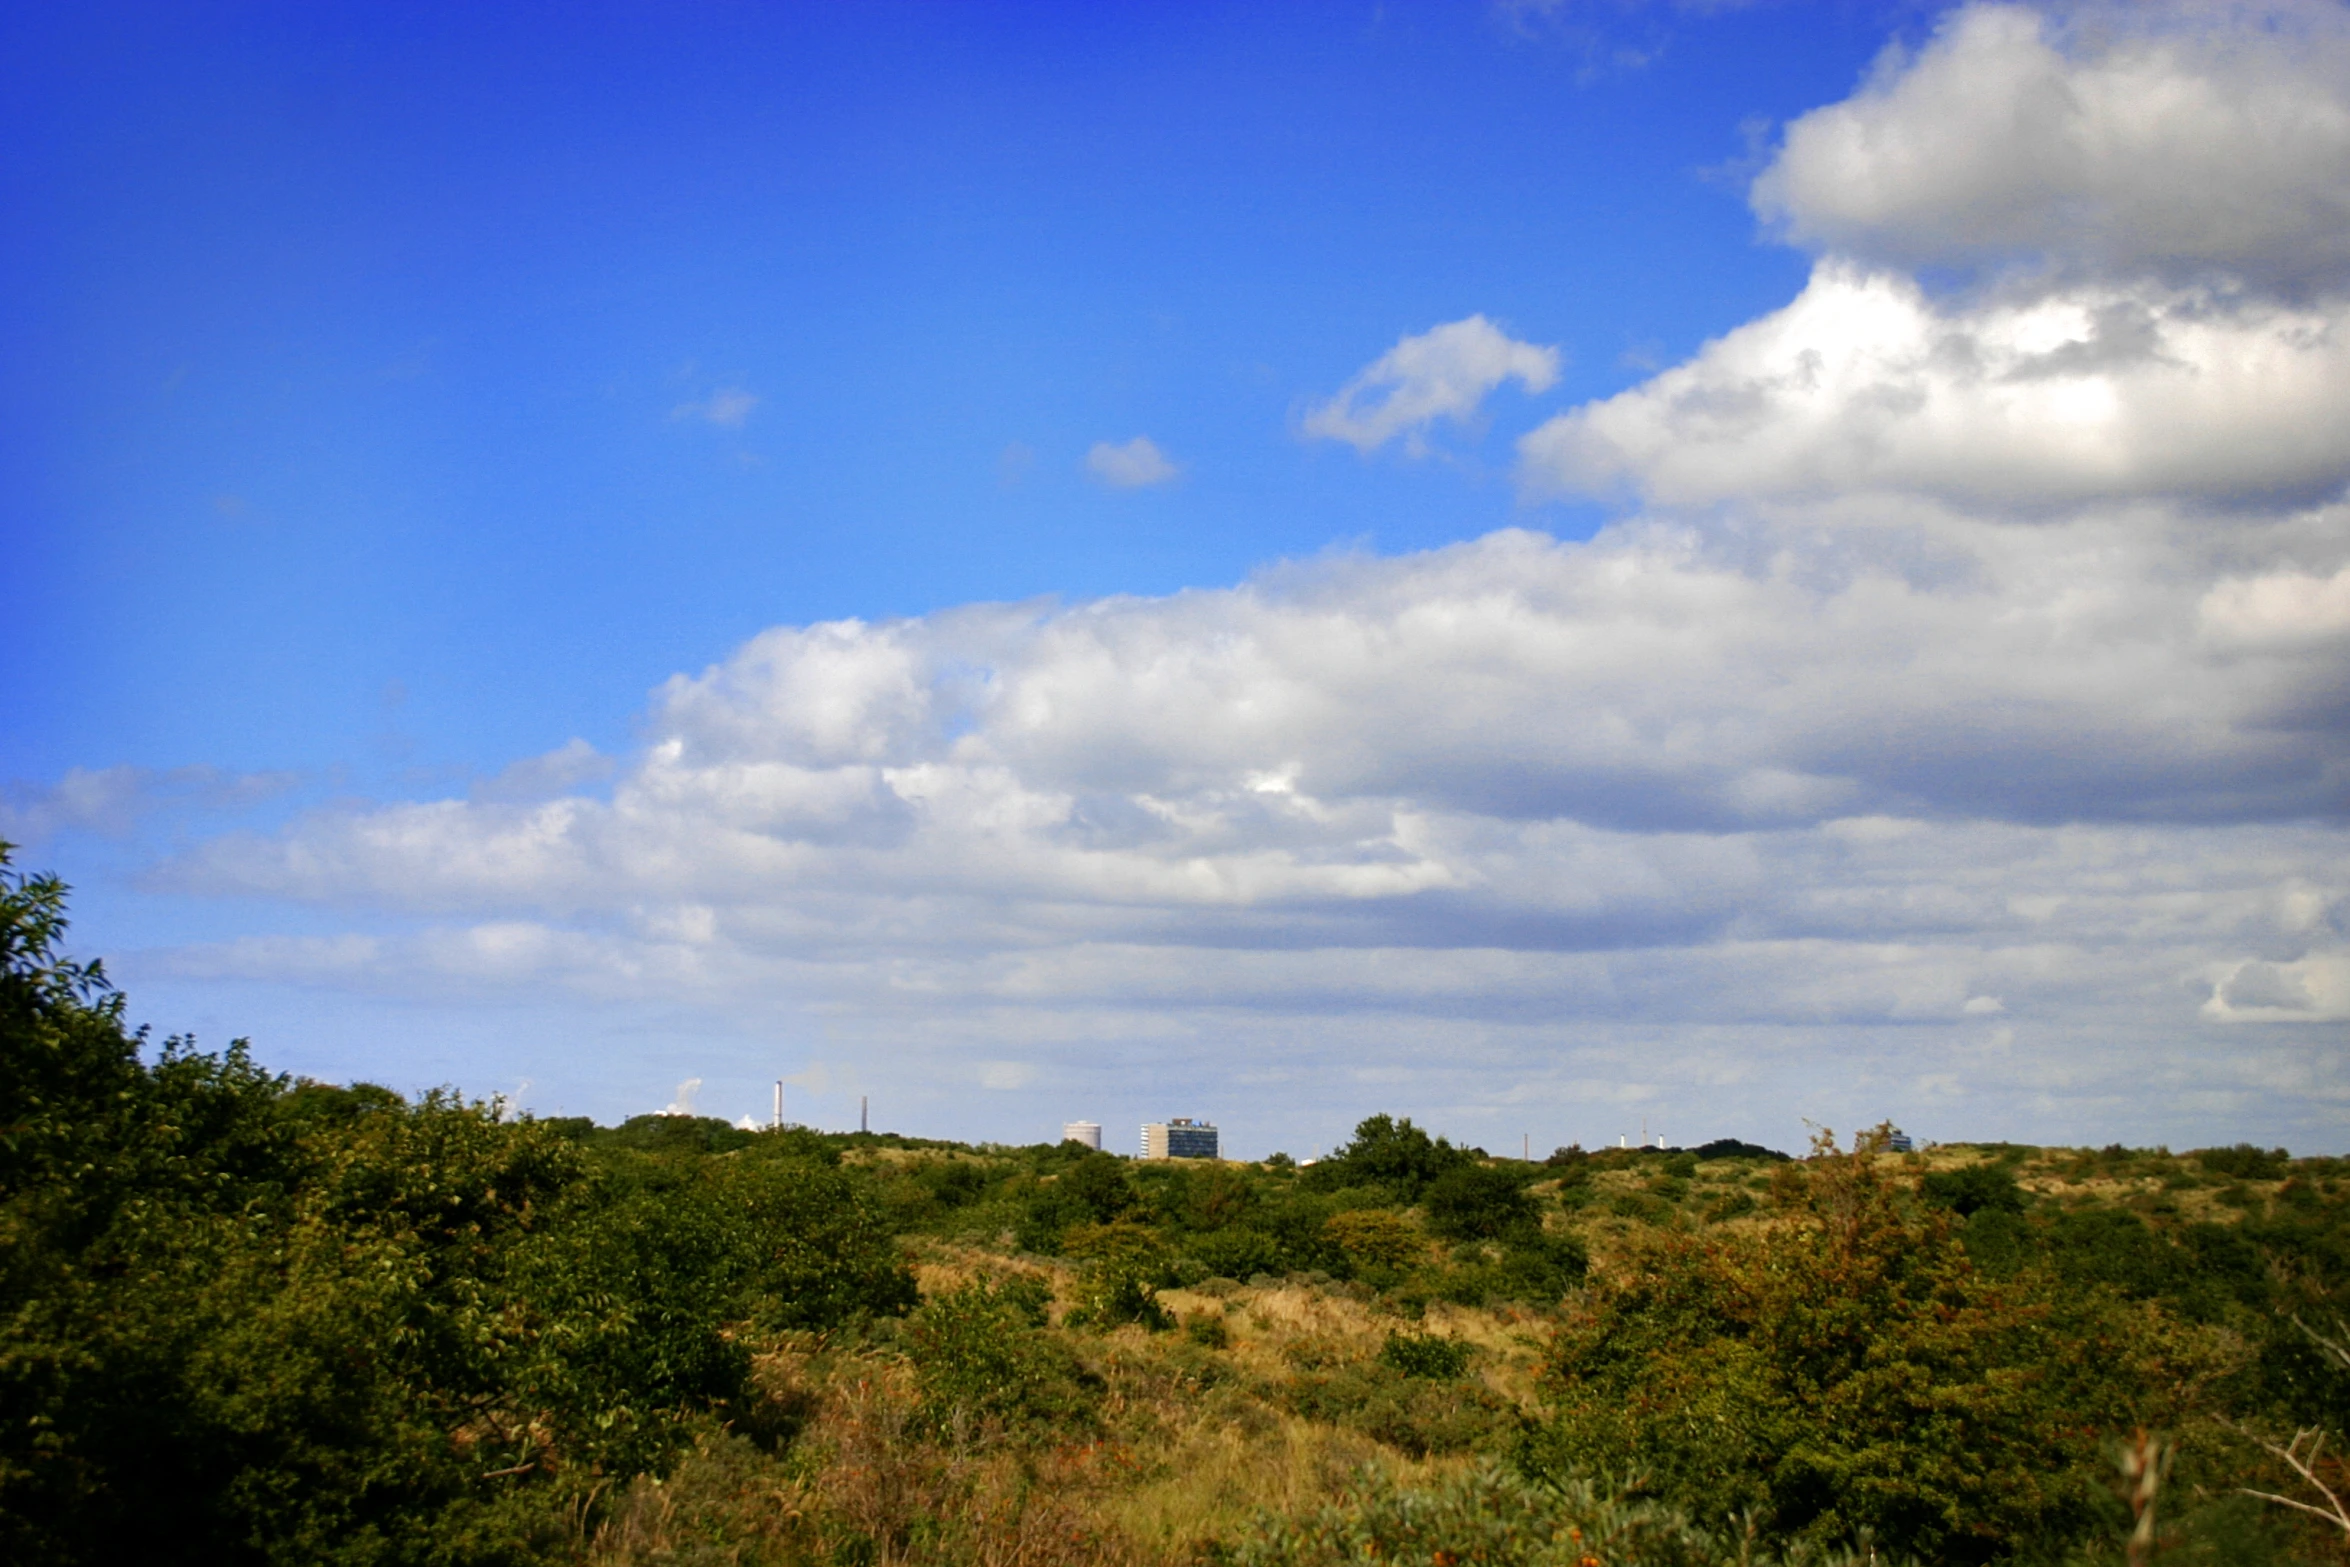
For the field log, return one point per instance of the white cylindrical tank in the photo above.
(1086, 1132)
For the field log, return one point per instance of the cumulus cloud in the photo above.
(1131, 465)
(2161, 140)
(1769, 778)
(2154, 206)
(1865, 385)
(2313, 989)
(1446, 372)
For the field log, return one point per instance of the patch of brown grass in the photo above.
(1200, 1443)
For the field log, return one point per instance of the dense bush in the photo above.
(979, 1357)
(248, 1320)
(1477, 1202)
(1389, 1156)
(1972, 1188)
(1845, 1374)
(1425, 1355)
(1416, 1415)
(2244, 1162)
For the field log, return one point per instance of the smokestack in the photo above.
(864, 1123)
(779, 1104)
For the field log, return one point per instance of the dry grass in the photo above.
(1196, 1445)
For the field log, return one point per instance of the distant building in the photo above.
(1897, 1141)
(1086, 1132)
(1180, 1138)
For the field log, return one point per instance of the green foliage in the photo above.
(1846, 1373)
(2244, 1162)
(1973, 1188)
(1477, 1202)
(1207, 1328)
(1416, 1415)
(1388, 1155)
(1732, 1148)
(979, 1357)
(673, 1134)
(1425, 1355)
(1119, 1290)
(246, 1320)
(1091, 1189)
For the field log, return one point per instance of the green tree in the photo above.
(1391, 1155)
(1847, 1374)
(1478, 1202)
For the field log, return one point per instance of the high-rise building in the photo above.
(1086, 1132)
(1179, 1138)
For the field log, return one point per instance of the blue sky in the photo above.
(417, 419)
(349, 338)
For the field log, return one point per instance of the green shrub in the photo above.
(1735, 1205)
(1126, 1270)
(1846, 1373)
(1389, 1156)
(2244, 1162)
(1425, 1355)
(1972, 1188)
(1208, 1328)
(246, 1320)
(1415, 1415)
(1477, 1202)
(979, 1357)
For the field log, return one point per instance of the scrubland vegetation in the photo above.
(248, 1319)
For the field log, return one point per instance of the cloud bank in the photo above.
(1952, 726)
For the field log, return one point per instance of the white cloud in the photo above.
(1864, 385)
(573, 763)
(2312, 989)
(729, 408)
(1446, 372)
(2278, 610)
(1133, 465)
(2160, 139)
(1761, 778)
(112, 801)
(2155, 203)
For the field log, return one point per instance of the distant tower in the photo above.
(1086, 1132)
(864, 1121)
